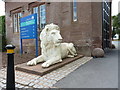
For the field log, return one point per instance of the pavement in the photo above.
(82, 73)
(98, 73)
(26, 80)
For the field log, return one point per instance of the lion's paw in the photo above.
(45, 64)
(71, 56)
(32, 62)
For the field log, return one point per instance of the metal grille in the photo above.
(106, 11)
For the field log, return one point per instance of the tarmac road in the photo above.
(98, 73)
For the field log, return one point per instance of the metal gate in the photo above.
(106, 21)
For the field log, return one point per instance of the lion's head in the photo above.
(51, 34)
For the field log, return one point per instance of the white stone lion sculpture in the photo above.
(52, 50)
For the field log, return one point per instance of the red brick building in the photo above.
(86, 24)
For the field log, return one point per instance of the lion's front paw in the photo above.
(70, 56)
(32, 62)
(45, 64)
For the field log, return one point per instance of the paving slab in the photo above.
(27, 80)
(38, 70)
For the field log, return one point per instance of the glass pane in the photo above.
(35, 10)
(106, 24)
(42, 16)
(74, 10)
(19, 16)
(15, 22)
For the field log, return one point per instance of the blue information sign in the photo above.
(28, 30)
(28, 27)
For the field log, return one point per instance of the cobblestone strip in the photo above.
(25, 80)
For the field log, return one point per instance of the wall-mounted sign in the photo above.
(28, 30)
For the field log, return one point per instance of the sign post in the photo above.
(28, 30)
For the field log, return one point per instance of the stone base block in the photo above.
(38, 70)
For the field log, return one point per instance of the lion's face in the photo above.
(54, 36)
(51, 34)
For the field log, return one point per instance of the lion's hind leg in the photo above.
(72, 50)
(70, 56)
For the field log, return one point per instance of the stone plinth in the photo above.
(38, 70)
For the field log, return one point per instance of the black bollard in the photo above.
(10, 68)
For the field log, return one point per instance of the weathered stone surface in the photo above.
(98, 52)
(89, 24)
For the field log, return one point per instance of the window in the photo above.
(41, 15)
(74, 10)
(35, 10)
(16, 22)
(106, 11)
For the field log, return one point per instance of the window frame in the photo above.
(74, 17)
(13, 13)
(34, 5)
(106, 11)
